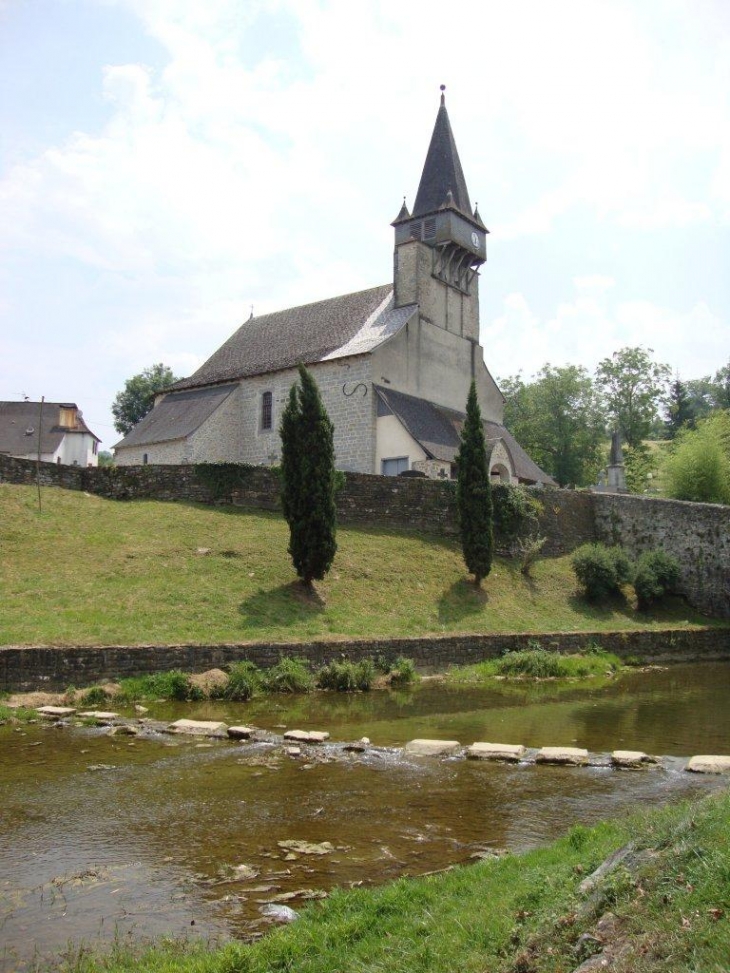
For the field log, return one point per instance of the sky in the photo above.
(168, 165)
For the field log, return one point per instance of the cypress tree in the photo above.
(308, 480)
(474, 493)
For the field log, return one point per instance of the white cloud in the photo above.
(590, 327)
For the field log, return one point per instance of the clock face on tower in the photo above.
(475, 239)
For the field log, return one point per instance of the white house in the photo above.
(64, 436)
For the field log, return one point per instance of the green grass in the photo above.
(20, 714)
(519, 914)
(92, 571)
(537, 663)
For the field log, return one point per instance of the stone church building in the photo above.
(393, 363)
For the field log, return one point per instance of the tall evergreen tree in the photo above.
(308, 480)
(678, 409)
(474, 493)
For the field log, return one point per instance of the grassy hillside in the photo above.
(88, 571)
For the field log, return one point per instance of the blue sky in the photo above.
(167, 164)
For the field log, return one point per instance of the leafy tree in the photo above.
(106, 458)
(560, 421)
(138, 396)
(633, 385)
(698, 468)
(474, 493)
(720, 391)
(679, 409)
(308, 480)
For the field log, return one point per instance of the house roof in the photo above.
(348, 325)
(442, 172)
(19, 422)
(438, 431)
(178, 415)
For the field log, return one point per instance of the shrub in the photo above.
(244, 680)
(288, 676)
(538, 663)
(403, 672)
(347, 677)
(698, 467)
(161, 685)
(601, 570)
(516, 511)
(657, 574)
(95, 696)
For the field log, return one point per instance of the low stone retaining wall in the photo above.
(24, 669)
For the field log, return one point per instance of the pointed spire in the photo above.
(403, 214)
(442, 172)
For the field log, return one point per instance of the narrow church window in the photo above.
(145, 459)
(267, 410)
(430, 228)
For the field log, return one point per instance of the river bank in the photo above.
(647, 893)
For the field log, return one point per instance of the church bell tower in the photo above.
(440, 246)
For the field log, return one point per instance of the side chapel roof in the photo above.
(438, 430)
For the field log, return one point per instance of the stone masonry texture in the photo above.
(56, 668)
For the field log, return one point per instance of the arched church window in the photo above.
(267, 411)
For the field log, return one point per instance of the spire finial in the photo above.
(443, 96)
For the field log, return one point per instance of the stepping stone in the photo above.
(202, 728)
(709, 764)
(306, 736)
(96, 714)
(569, 756)
(240, 732)
(630, 758)
(495, 751)
(56, 712)
(432, 748)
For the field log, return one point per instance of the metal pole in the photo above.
(38, 461)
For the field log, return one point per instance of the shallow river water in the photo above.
(104, 837)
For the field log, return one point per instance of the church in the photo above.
(393, 363)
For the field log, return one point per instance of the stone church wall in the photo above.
(697, 534)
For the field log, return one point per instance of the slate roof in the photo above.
(177, 416)
(348, 325)
(442, 171)
(19, 427)
(438, 429)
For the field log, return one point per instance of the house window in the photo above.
(145, 459)
(392, 467)
(267, 411)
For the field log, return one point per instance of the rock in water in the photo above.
(279, 913)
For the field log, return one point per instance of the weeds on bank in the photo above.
(20, 714)
(245, 680)
(539, 663)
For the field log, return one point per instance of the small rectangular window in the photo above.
(267, 412)
(429, 230)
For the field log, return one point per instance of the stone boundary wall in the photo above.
(398, 503)
(57, 668)
(698, 535)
